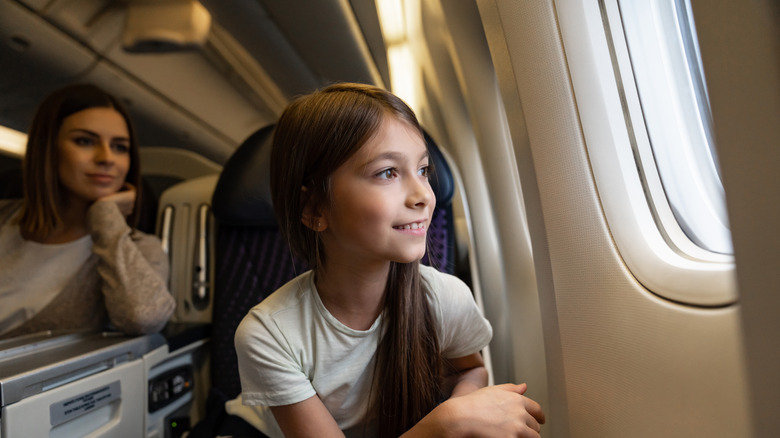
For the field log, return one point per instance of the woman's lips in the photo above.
(101, 178)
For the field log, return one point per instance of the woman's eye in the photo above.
(121, 147)
(83, 141)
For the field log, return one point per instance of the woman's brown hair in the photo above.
(315, 135)
(42, 189)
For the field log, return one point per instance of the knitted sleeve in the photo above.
(133, 270)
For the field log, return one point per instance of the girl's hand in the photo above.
(124, 199)
(494, 411)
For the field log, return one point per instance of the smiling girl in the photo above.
(69, 256)
(369, 342)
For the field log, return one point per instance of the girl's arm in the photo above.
(493, 411)
(469, 374)
(309, 418)
(499, 410)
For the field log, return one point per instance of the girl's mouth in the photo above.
(412, 226)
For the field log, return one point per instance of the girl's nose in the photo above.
(420, 193)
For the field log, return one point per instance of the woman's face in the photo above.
(94, 149)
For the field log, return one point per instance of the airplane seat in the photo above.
(186, 231)
(441, 234)
(252, 259)
(11, 185)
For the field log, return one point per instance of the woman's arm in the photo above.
(133, 271)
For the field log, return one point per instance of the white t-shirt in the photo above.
(290, 348)
(34, 273)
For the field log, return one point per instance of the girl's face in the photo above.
(382, 202)
(94, 150)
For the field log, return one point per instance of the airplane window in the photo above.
(642, 101)
(666, 66)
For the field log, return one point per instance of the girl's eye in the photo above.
(387, 173)
(425, 171)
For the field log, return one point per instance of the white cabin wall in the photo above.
(631, 364)
(740, 49)
(462, 108)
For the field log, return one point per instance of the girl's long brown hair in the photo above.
(315, 135)
(40, 170)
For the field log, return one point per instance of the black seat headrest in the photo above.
(242, 196)
(11, 183)
(442, 183)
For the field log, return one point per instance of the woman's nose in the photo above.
(104, 154)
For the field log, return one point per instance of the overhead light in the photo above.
(12, 142)
(396, 31)
(403, 73)
(392, 21)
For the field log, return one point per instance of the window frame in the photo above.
(648, 238)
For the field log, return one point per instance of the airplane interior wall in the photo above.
(740, 46)
(472, 114)
(631, 363)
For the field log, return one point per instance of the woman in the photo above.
(69, 255)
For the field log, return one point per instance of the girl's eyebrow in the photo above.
(394, 156)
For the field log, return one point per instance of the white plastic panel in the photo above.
(107, 404)
(179, 163)
(197, 86)
(191, 247)
(98, 22)
(41, 55)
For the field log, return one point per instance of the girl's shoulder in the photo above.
(289, 295)
(444, 287)
(438, 280)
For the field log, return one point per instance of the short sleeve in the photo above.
(270, 370)
(462, 328)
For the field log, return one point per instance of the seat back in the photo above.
(252, 259)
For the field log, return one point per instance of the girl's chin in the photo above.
(410, 259)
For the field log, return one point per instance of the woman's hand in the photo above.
(124, 199)
(494, 412)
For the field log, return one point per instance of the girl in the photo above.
(69, 257)
(369, 341)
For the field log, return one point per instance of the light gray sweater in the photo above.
(123, 281)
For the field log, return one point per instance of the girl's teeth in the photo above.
(410, 227)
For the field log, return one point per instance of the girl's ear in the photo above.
(311, 218)
(314, 221)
